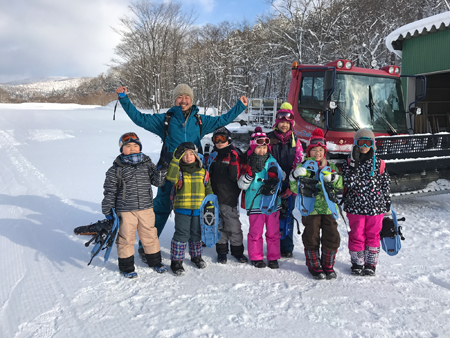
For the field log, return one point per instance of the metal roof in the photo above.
(416, 28)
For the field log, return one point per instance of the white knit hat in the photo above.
(183, 89)
(367, 133)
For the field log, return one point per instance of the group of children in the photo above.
(226, 174)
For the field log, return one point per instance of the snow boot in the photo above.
(222, 259)
(126, 264)
(313, 263)
(142, 255)
(237, 251)
(286, 254)
(328, 259)
(369, 270)
(199, 262)
(130, 275)
(273, 264)
(259, 264)
(371, 257)
(177, 268)
(160, 268)
(357, 270)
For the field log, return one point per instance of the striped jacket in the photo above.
(193, 190)
(128, 187)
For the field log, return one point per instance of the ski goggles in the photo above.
(128, 137)
(262, 141)
(285, 115)
(364, 142)
(318, 142)
(220, 138)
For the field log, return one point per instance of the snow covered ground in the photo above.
(53, 158)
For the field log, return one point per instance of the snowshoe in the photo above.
(307, 189)
(198, 262)
(210, 221)
(177, 268)
(329, 193)
(391, 234)
(317, 274)
(273, 264)
(160, 268)
(130, 275)
(95, 228)
(222, 259)
(369, 270)
(259, 264)
(241, 258)
(270, 188)
(357, 270)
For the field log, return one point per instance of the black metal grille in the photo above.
(413, 146)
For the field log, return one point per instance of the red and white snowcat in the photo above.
(340, 99)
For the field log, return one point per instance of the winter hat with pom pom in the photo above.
(317, 139)
(258, 138)
(285, 114)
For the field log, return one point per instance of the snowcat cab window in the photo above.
(368, 102)
(310, 101)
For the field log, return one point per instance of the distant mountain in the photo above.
(34, 80)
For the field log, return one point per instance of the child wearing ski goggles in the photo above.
(364, 142)
(285, 115)
(127, 138)
(262, 141)
(220, 139)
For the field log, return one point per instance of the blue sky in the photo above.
(73, 38)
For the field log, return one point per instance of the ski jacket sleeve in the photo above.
(298, 155)
(386, 188)
(210, 123)
(110, 190)
(233, 168)
(173, 172)
(154, 123)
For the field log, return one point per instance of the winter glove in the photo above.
(298, 172)
(178, 153)
(354, 157)
(330, 177)
(233, 156)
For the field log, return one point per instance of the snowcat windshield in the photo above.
(362, 101)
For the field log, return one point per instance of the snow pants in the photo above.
(161, 207)
(187, 230)
(142, 221)
(255, 240)
(231, 226)
(311, 238)
(365, 231)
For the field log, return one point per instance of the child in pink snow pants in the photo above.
(366, 200)
(255, 169)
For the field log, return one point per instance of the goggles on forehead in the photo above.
(220, 138)
(318, 142)
(363, 142)
(285, 115)
(125, 138)
(262, 141)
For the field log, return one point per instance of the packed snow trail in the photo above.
(53, 159)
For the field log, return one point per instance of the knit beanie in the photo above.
(316, 138)
(222, 131)
(286, 107)
(183, 89)
(129, 140)
(366, 133)
(258, 133)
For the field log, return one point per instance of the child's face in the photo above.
(364, 150)
(283, 126)
(188, 157)
(221, 145)
(260, 150)
(131, 148)
(318, 153)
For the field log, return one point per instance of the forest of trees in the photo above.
(161, 47)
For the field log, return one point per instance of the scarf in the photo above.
(283, 137)
(221, 153)
(189, 167)
(132, 158)
(257, 162)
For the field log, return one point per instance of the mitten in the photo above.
(300, 171)
(178, 153)
(330, 177)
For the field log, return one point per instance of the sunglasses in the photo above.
(125, 138)
(318, 141)
(285, 115)
(364, 143)
(220, 139)
(263, 141)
